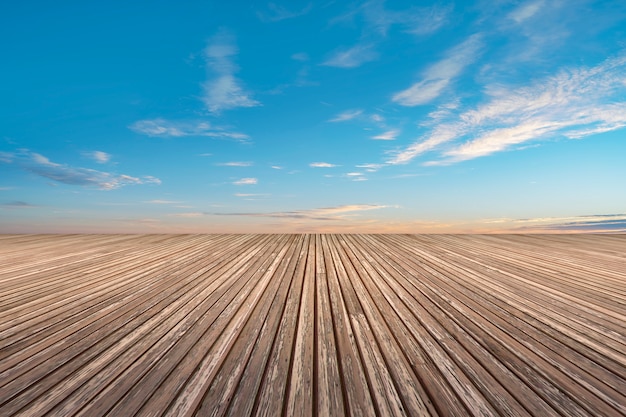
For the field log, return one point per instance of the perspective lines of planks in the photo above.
(313, 325)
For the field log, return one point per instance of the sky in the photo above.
(313, 116)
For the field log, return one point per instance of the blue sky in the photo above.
(364, 116)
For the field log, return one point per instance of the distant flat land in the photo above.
(313, 325)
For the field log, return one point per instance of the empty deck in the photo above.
(313, 325)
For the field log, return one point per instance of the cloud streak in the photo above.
(324, 214)
(276, 13)
(346, 115)
(597, 223)
(162, 202)
(416, 20)
(98, 156)
(40, 165)
(525, 11)
(321, 165)
(246, 181)
(168, 129)
(439, 75)
(574, 103)
(12, 205)
(388, 135)
(352, 57)
(224, 91)
(235, 164)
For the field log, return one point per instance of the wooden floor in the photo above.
(313, 325)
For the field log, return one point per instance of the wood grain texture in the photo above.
(313, 325)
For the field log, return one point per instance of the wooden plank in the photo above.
(247, 399)
(358, 398)
(329, 385)
(301, 393)
(271, 398)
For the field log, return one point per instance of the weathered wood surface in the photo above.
(313, 325)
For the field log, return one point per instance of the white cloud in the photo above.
(246, 195)
(6, 157)
(598, 223)
(346, 115)
(246, 181)
(326, 213)
(166, 128)
(526, 11)
(356, 176)
(421, 92)
(151, 180)
(224, 90)
(388, 135)
(370, 167)
(12, 205)
(276, 12)
(352, 57)
(416, 20)
(300, 56)
(98, 156)
(377, 118)
(42, 166)
(276, 167)
(162, 202)
(428, 20)
(188, 215)
(322, 165)
(439, 75)
(235, 164)
(574, 103)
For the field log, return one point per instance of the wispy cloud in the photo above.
(42, 166)
(188, 215)
(356, 176)
(575, 103)
(162, 202)
(326, 213)
(377, 118)
(224, 91)
(346, 115)
(167, 128)
(321, 165)
(427, 20)
(416, 20)
(526, 11)
(596, 223)
(17, 205)
(388, 135)
(6, 157)
(439, 75)
(246, 181)
(370, 167)
(352, 57)
(98, 156)
(244, 195)
(235, 164)
(276, 12)
(300, 56)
